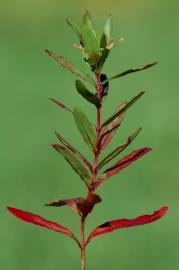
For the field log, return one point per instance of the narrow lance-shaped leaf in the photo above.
(122, 164)
(110, 130)
(131, 70)
(72, 149)
(90, 43)
(84, 92)
(104, 53)
(76, 28)
(125, 108)
(113, 225)
(108, 27)
(87, 21)
(61, 105)
(74, 162)
(119, 149)
(89, 37)
(40, 221)
(126, 161)
(85, 128)
(70, 67)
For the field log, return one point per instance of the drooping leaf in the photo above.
(108, 27)
(61, 105)
(122, 164)
(119, 149)
(74, 162)
(76, 28)
(72, 149)
(80, 205)
(84, 92)
(40, 221)
(110, 130)
(72, 203)
(132, 70)
(85, 128)
(125, 108)
(70, 67)
(113, 225)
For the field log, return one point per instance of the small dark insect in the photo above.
(105, 86)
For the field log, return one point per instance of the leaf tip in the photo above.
(164, 210)
(48, 52)
(155, 63)
(67, 20)
(145, 150)
(10, 209)
(148, 149)
(17, 213)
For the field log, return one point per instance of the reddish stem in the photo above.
(94, 167)
(82, 245)
(98, 132)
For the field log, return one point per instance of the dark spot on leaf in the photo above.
(106, 224)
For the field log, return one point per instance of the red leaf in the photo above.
(109, 131)
(125, 223)
(126, 161)
(122, 164)
(119, 149)
(38, 220)
(72, 203)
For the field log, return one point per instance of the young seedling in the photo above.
(95, 50)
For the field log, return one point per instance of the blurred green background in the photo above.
(32, 173)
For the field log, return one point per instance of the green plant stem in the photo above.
(82, 244)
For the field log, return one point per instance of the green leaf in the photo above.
(70, 67)
(90, 41)
(104, 51)
(84, 92)
(74, 163)
(134, 135)
(72, 149)
(108, 27)
(119, 149)
(76, 28)
(85, 128)
(132, 70)
(125, 108)
(87, 20)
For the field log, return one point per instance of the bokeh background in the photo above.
(32, 173)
